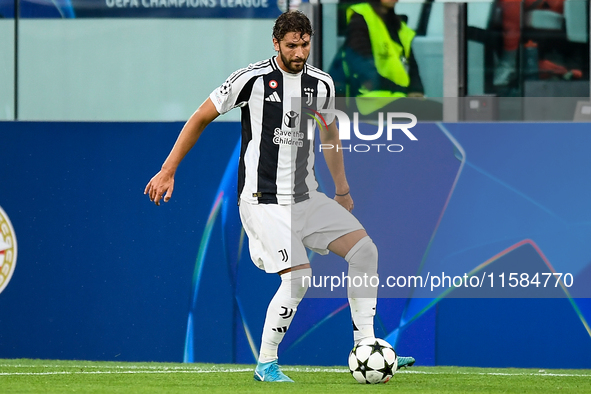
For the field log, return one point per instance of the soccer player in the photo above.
(280, 209)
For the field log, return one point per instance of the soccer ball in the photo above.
(373, 360)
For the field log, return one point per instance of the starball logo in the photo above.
(7, 250)
(344, 125)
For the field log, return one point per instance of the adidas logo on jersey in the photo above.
(273, 98)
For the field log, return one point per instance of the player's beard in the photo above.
(289, 64)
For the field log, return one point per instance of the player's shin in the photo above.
(281, 311)
(362, 290)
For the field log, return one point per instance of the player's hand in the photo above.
(345, 201)
(162, 184)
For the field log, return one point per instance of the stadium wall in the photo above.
(7, 69)
(103, 274)
(123, 69)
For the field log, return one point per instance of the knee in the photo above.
(363, 255)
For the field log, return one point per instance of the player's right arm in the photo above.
(220, 101)
(162, 184)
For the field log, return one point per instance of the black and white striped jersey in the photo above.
(277, 155)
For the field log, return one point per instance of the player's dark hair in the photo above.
(292, 22)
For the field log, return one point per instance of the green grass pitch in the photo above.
(51, 376)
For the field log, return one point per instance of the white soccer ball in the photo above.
(373, 360)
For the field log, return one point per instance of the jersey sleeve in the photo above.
(225, 97)
(330, 101)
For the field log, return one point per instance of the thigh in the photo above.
(556, 5)
(326, 221)
(272, 243)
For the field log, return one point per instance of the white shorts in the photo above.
(278, 235)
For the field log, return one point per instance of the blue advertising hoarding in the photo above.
(103, 274)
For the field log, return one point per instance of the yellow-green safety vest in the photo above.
(388, 55)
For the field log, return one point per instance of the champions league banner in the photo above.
(258, 9)
(6, 9)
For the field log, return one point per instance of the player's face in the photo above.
(294, 50)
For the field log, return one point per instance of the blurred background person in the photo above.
(550, 62)
(376, 64)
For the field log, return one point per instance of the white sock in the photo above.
(363, 263)
(281, 311)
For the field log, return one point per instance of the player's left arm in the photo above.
(336, 165)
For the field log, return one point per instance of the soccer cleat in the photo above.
(405, 362)
(549, 69)
(504, 74)
(270, 372)
(506, 71)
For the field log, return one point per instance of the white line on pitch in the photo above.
(118, 372)
(165, 370)
(496, 373)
